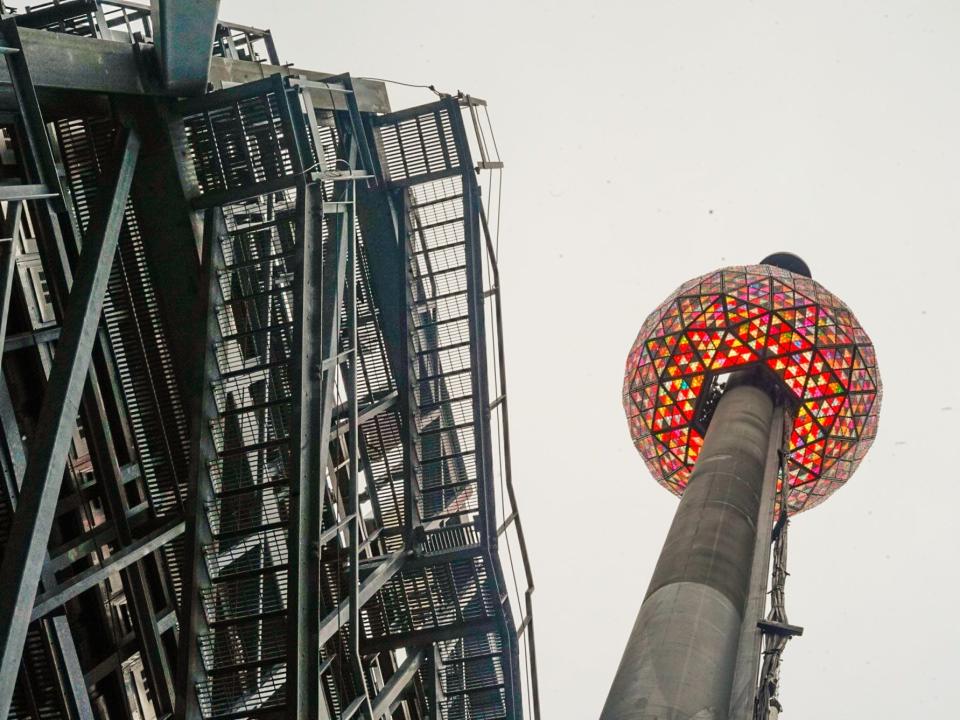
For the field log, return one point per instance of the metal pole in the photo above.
(317, 329)
(353, 444)
(680, 659)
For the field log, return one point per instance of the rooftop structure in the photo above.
(255, 447)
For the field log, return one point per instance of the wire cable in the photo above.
(431, 88)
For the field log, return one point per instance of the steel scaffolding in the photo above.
(254, 417)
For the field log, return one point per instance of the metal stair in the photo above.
(423, 152)
(408, 502)
(245, 581)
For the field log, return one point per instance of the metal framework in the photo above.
(255, 438)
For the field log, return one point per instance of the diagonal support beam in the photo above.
(137, 550)
(30, 531)
(203, 454)
(57, 630)
(339, 617)
(398, 684)
(8, 250)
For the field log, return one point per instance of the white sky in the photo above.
(649, 142)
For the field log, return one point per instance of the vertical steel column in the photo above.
(433, 681)
(23, 558)
(680, 658)
(318, 298)
(353, 439)
(406, 377)
(184, 37)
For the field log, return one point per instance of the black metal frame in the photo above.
(392, 592)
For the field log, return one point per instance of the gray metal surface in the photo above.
(748, 653)
(183, 38)
(680, 659)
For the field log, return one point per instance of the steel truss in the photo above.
(263, 478)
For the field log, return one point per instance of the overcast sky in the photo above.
(649, 142)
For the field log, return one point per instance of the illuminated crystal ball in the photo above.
(741, 317)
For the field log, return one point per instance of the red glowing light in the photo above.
(746, 316)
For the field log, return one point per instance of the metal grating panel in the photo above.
(417, 145)
(242, 144)
(136, 334)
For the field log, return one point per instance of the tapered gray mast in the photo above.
(681, 655)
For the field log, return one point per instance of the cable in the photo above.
(431, 88)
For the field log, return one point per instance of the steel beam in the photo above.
(137, 550)
(347, 220)
(30, 532)
(45, 51)
(183, 34)
(339, 617)
(8, 263)
(433, 682)
(398, 684)
(369, 412)
(318, 298)
(77, 698)
(30, 338)
(433, 635)
(203, 453)
(13, 193)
